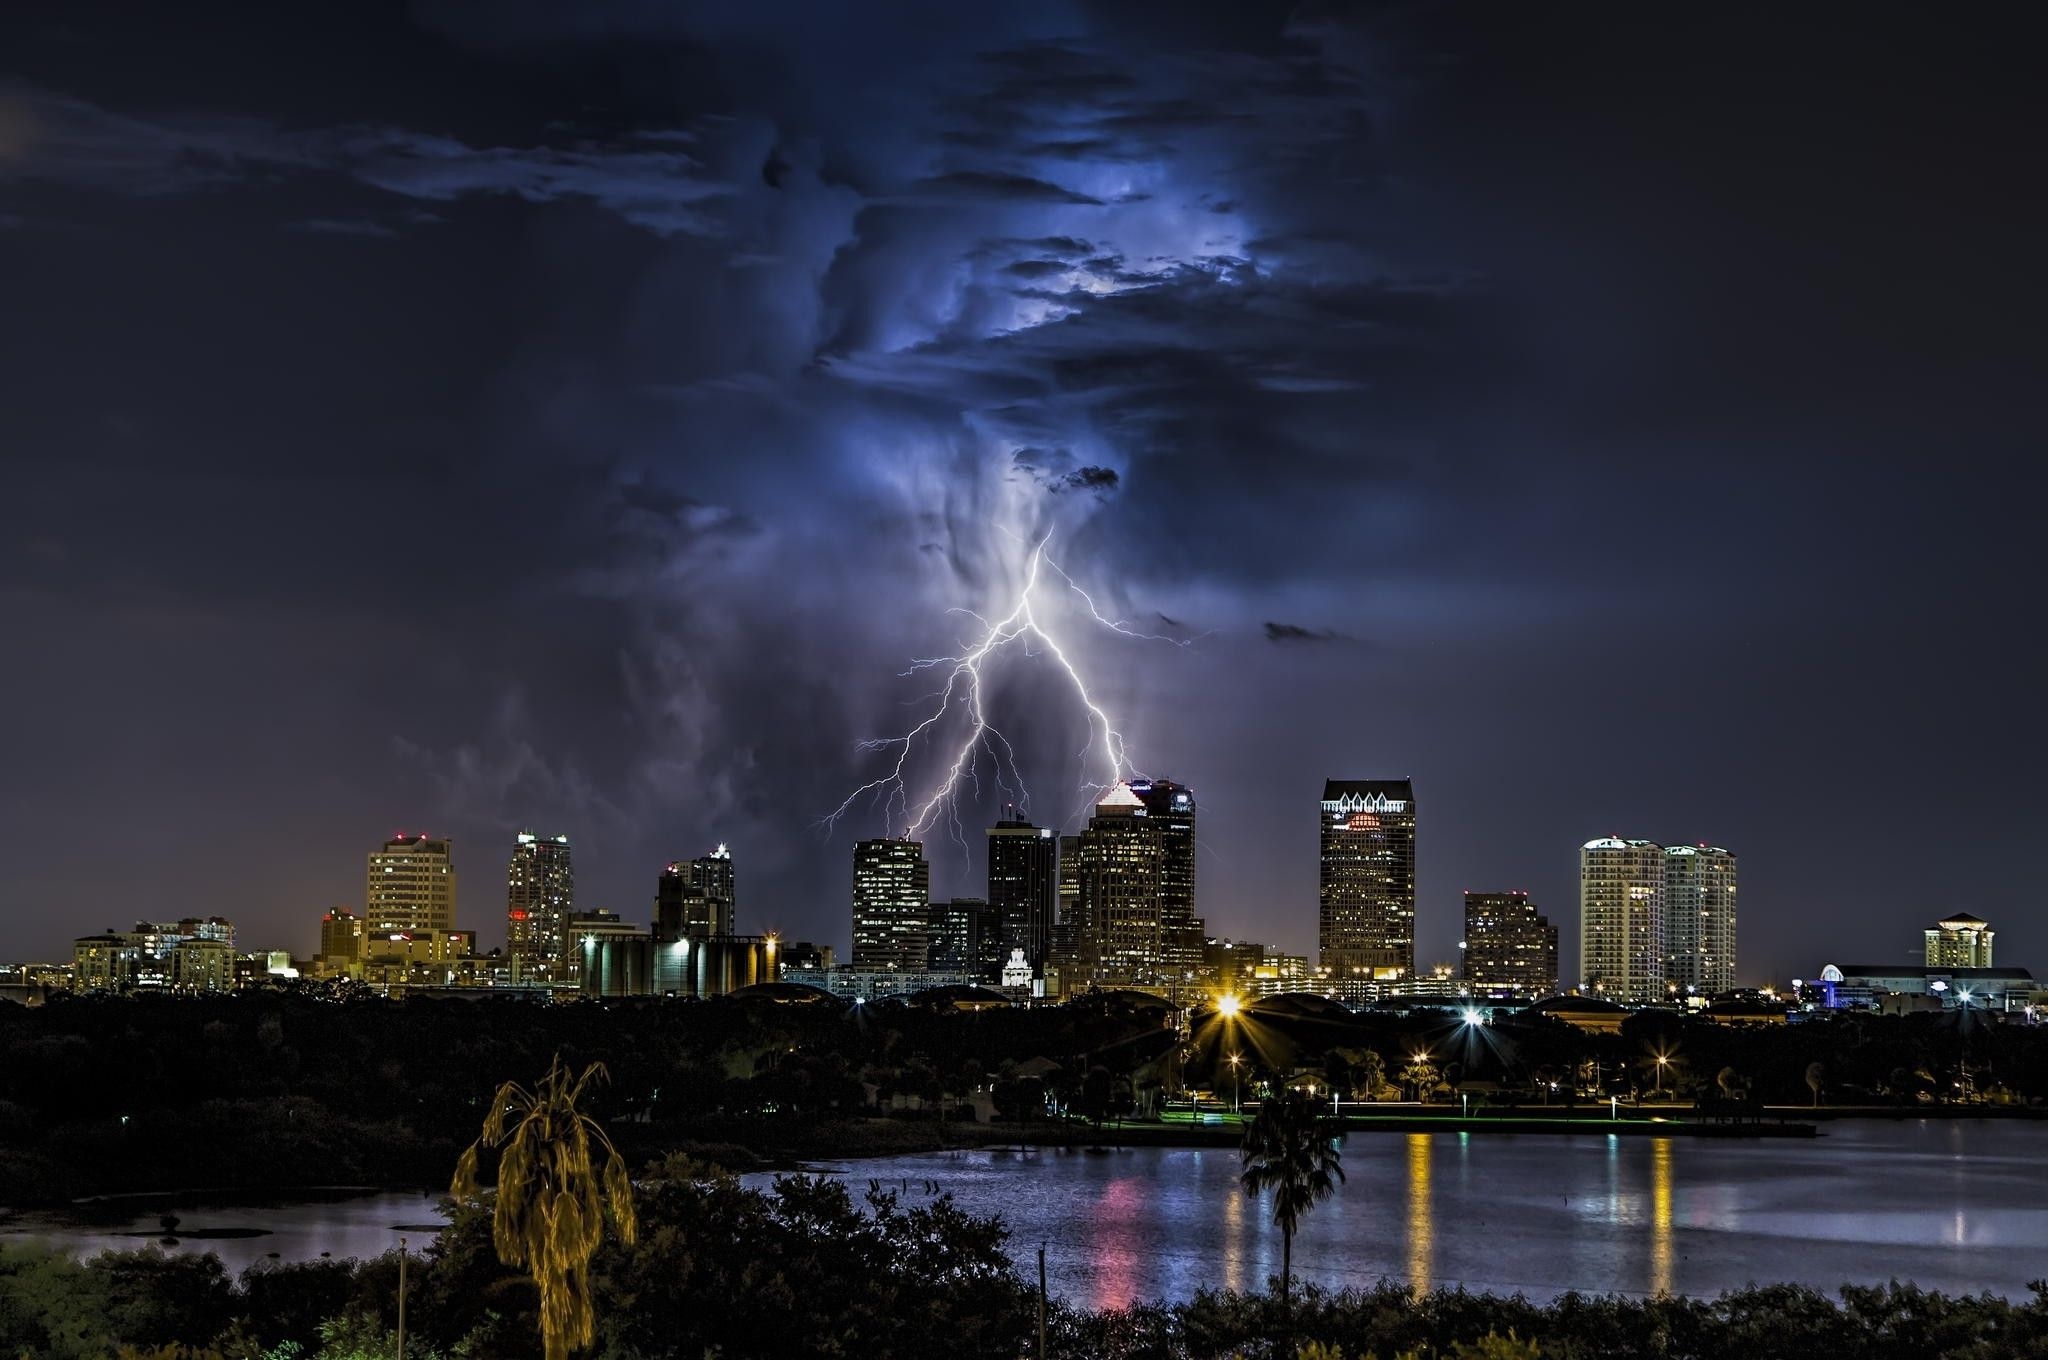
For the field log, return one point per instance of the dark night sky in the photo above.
(1617, 418)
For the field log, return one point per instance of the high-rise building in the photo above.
(1621, 919)
(1170, 808)
(1510, 947)
(694, 899)
(411, 886)
(1111, 923)
(892, 889)
(1699, 919)
(540, 895)
(1959, 941)
(964, 938)
(1366, 927)
(1023, 886)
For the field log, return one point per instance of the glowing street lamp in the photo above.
(1228, 1006)
(1661, 1060)
(1235, 1061)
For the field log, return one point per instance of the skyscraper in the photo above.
(1699, 919)
(892, 890)
(694, 898)
(1510, 948)
(411, 887)
(1023, 886)
(541, 892)
(1621, 919)
(1111, 930)
(1366, 927)
(1170, 808)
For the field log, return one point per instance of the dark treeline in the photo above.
(276, 1090)
(805, 1269)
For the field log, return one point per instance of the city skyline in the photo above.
(696, 374)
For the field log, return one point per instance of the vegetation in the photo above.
(553, 1196)
(273, 1091)
(804, 1269)
(1292, 1149)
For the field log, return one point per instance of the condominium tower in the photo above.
(1366, 925)
(1699, 919)
(540, 895)
(1126, 890)
(892, 892)
(411, 887)
(1621, 919)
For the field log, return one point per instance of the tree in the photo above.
(1816, 1077)
(1292, 1149)
(553, 1196)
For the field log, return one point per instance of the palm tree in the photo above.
(1291, 1148)
(553, 1197)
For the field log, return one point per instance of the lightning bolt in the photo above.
(962, 691)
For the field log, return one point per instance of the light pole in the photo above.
(1661, 1060)
(1235, 1059)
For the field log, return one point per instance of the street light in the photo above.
(1235, 1059)
(1661, 1060)
(1228, 1006)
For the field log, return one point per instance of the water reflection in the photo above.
(1233, 1238)
(1660, 1215)
(1115, 1247)
(1421, 1226)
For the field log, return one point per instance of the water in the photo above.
(1959, 1206)
(359, 1225)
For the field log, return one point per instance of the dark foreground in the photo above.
(805, 1269)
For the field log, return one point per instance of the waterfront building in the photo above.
(964, 938)
(1110, 927)
(695, 898)
(411, 885)
(1023, 885)
(891, 905)
(1894, 987)
(1510, 947)
(1621, 920)
(539, 898)
(1365, 931)
(1699, 919)
(1960, 941)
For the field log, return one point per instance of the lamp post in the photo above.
(1235, 1060)
(1661, 1060)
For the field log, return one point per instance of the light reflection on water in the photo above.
(1959, 1207)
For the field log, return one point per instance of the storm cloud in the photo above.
(507, 415)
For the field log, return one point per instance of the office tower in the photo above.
(541, 894)
(1621, 919)
(1023, 885)
(892, 888)
(1111, 925)
(1699, 919)
(1959, 941)
(1170, 808)
(1510, 948)
(1366, 928)
(411, 887)
(964, 938)
(694, 898)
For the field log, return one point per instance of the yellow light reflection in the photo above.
(1421, 1223)
(1660, 1215)
(1233, 1237)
